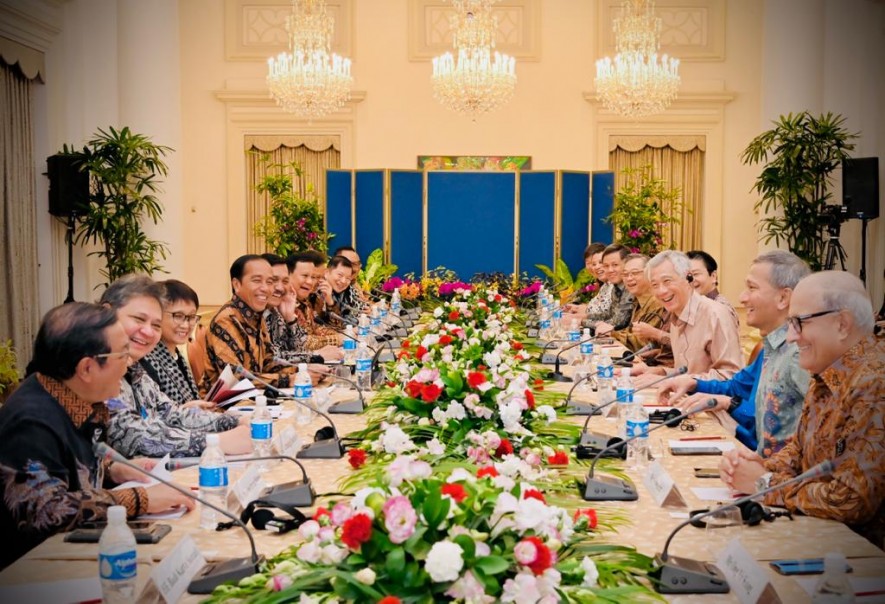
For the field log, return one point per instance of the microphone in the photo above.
(349, 406)
(599, 441)
(575, 407)
(403, 331)
(213, 574)
(609, 488)
(647, 348)
(677, 575)
(326, 445)
(548, 358)
(556, 375)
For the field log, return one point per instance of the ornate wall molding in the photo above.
(519, 28)
(255, 30)
(691, 30)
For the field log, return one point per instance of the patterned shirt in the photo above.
(238, 336)
(144, 421)
(617, 313)
(288, 340)
(646, 309)
(350, 302)
(601, 302)
(171, 373)
(843, 420)
(706, 340)
(317, 335)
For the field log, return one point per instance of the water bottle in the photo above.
(625, 402)
(116, 558)
(396, 304)
(383, 314)
(213, 482)
(556, 320)
(262, 432)
(637, 450)
(362, 330)
(544, 324)
(302, 392)
(605, 373)
(588, 356)
(833, 587)
(375, 322)
(349, 346)
(363, 367)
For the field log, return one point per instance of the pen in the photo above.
(877, 592)
(702, 438)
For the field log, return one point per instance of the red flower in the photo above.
(455, 491)
(356, 530)
(391, 383)
(320, 513)
(534, 494)
(403, 354)
(389, 600)
(560, 458)
(445, 340)
(530, 399)
(406, 344)
(498, 297)
(516, 345)
(487, 471)
(505, 448)
(539, 382)
(430, 392)
(454, 315)
(413, 388)
(420, 352)
(475, 378)
(356, 458)
(543, 556)
(590, 513)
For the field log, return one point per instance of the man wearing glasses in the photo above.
(50, 479)
(843, 419)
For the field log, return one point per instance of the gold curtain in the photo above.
(315, 155)
(678, 160)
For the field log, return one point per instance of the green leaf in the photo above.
(396, 563)
(492, 565)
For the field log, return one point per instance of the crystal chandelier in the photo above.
(637, 82)
(309, 80)
(476, 79)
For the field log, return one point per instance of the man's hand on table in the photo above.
(646, 374)
(670, 391)
(162, 498)
(120, 473)
(603, 329)
(209, 405)
(236, 441)
(686, 403)
(739, 469)
(330, 353)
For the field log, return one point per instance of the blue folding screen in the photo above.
(407, 220)
(603, 203)
(575, 212)
(338, 207)
(537, 211)
(369, 211)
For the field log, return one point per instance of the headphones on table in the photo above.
(263, 518)
(752, 514)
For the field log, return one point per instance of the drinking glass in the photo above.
(721, 528)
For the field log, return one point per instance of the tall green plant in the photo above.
(643, 207)
(124, 168)
(294, 222)
(799, 156)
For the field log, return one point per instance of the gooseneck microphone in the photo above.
(598, 441)
(548, 358)
(349, 406)
(675, 575)
(609, 488)
(556, 375)
(327, 444)
(213, 574)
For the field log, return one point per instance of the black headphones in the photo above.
(689, 277)
(752, 514)
(326, 433)
(660, 417)
(264, 519)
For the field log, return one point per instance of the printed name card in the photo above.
(174, 573)
(747, 579)
(662, 487)
(249, 486)
(288, 442)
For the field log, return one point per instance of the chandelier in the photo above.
(309, 80)
(475, 79)
(637, 82)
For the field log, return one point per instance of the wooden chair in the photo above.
(755, 352)
(196, 353)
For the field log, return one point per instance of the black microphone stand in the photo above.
(556, 375)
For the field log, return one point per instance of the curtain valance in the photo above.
(681, 143)
(272, 142)
(30, 62)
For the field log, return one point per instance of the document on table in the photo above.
(715, 493)
(722, 445)
(158, 471)
(71, 590)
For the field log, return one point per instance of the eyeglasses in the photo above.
(113, 355)
(797, 321)
(179, 317)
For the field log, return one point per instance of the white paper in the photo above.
(174, 573)
(722, 445)
(746, 578)
(72, 590)
(276, 412)
(861, 585)
(170, 515)
(158, 471)
(723, 494)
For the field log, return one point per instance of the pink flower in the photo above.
(634, 234)
(399, 518)
(341, 512)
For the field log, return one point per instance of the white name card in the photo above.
(174, 573)
(249, 486)
(288, 442)
(747, 579)
(662, 487)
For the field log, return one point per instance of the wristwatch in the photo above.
(763, 482)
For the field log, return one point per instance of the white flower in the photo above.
(438, 311)
(521, 589)
(424, 421)
(468, 589)
(309, 552)
(405, 467)
(439, 416)
(365, 576)
(461, 475)
(591, 574)
(435, 447)
(547, 412)
(492, 359)
(510, 414)
(505, 504)
(444, 561)
(455, 411)
(332, 554)
(531, 514)
(394, 440)
(309, 530)
(503, 482)
(525, 552)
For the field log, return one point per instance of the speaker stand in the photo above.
(69, 236)
(863, 247)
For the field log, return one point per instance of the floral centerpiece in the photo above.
(644, 207)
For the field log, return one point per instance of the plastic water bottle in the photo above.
(302, 392)
(117, 567)
(213, 482)
(556, 320)
(349, 346)
(637, 450)
(605, 373)
(363, 367)
(262, 432)
(588, 356)
(383, 313)
(573, 332)
(625, 402)
(375, 322)
(544, 324)
(396, 304)
(833, 587)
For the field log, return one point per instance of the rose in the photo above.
(356, 458)
(534, 494)
(399, 518)
(444, 561)
(455, 491)
(489, 471)
(366, 576)
(475, 379)
(505, 448)
(430, 392)
(530, 399)
(535, 554)
(389, 600)
(356, 530)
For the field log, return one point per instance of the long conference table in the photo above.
(647, 528)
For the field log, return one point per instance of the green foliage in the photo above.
(561, 277)
(375, 272)
(794, 185)
(124, 168)
(294, 223)
(8, 367)
(643, 207)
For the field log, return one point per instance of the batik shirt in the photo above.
(144, 421)
(350, 302)
(238, 336)
(317, 335)
(646, 309)
(171, 373)
(843, 420)
(601, 302)
(289, 340)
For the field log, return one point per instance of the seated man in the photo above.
(603, 298)
(617, 315)
(286, 335)
(339, 276)
(765, 398)
(352, 301)
(647, 312)
(237, 334)
(50, 479)
(304, 284)
(843, 419)
(702, 334)
(705, 279)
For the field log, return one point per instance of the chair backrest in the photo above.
(755, 352)
(196, 353)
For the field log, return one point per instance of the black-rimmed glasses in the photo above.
(797, 321)
(179, 317)
(113, 355)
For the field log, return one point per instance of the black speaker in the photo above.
(68, 186)
(860, 187)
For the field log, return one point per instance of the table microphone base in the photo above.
(609, 488)
(413, 313)
(348, 406)
(548, 358)
(559, 377)
(329, 448)
(532, 332)
(386, 356)
(686, 576)
(596, 440)
(216, 573)
(579, 408)
(295, 494)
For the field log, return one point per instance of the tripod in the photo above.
(832, 251)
